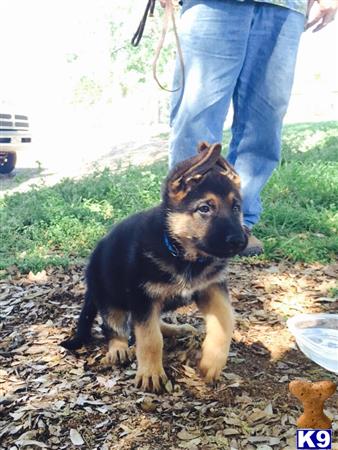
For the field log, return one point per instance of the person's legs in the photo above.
(213, 37)
(260, 99)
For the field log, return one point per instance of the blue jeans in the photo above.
(246, 52)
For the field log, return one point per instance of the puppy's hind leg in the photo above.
(84, 325)
(116, 330)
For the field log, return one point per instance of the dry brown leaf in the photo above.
(30, 442)
(148, 404)
(185, 435)
(331, 270)
(75, 437)
(39, 277)
(230, 432)
(191, 445)
(257, 416)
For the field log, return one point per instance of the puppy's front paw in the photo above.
(151, 380)
(212, 363)
(118, 353)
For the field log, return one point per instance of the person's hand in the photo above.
(163, 2)
(324, 15)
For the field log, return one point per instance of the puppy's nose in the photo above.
(237, 240)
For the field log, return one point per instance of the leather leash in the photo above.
(169, 15)
(139, 32)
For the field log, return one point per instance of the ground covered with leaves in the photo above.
(50, 398)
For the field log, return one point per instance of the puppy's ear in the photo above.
(229, 171)
(191, 171)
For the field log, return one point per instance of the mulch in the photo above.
(50, 398)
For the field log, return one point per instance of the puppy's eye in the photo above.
(236, 207)
(204, 209)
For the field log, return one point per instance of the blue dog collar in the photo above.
(174, 251)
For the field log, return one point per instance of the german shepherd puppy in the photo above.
(165, 257)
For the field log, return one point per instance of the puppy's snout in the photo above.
(236, 240)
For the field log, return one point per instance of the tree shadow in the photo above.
(306, 141)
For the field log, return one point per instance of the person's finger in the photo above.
(329, 17)
(315, 20)
(319, 27)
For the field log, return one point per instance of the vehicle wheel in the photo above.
(7, 162)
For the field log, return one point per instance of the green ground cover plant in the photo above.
(60, 225)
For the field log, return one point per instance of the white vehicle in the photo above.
(14, 136)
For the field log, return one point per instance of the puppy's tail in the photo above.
(84, 325)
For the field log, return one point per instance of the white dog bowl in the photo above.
(317, 337)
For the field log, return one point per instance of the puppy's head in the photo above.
(203, 205)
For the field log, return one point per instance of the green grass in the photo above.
(300, 218)
(60, 225)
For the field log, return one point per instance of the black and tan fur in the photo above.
(164, 257)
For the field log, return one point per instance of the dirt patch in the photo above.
(29, 173)
(50, 398)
